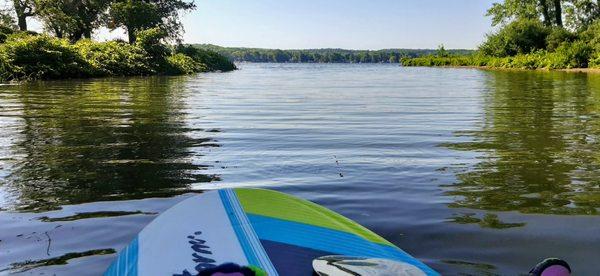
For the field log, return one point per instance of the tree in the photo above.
(73, 18)
(509, 10)
(138, 15)
(558, 13)
(441, 51)
(545, 12)
(550, 13)
(23, 9)
(579, 14)
(518, 37)
(7, 22)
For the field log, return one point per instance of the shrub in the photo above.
(212, 60)
(182, 64)
(5, 32)
(575, 55)
(151, 41)
(594, 61)
(115, 58)
(592, 36)
(558, 36)
(28, 56)
(519, 37)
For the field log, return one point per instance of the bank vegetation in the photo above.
(532, 34)
(66, 49)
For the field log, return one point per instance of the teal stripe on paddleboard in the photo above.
(328, 240)
(257, 247)
(236, 225)
(127, 261)
(253, 249)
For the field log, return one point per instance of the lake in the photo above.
(471, 171)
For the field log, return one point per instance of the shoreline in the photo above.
(568, 70)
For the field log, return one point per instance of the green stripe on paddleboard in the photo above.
(281, 206)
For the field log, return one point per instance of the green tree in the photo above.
(549, 11)
(579, 14)
(558, 13)
(441, 51)
(136, 15)
(23, 9)
(72, 18)
(509, 10)
(7, 22)
(519, 37)
(545, 12)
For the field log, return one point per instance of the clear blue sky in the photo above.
(351, 24)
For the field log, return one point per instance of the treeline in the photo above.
(77, 19)
(65, 49)
(320, 55)
(533, 34)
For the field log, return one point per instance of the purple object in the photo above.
(556, 270)
(551, 267)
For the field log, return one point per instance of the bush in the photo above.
(575, 55)
(557, 37)
(115, 58)
(592, 36)
(594, 61)
(5, 32)
(519, 37)
(211, 60)
(26, 56)
(151, 41)
(182, 64)
(568, 55)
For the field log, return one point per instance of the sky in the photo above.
(349, 24)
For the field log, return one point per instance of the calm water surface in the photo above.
(474, 172)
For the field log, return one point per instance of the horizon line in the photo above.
(328, 48)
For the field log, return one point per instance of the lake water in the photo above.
(471, 171)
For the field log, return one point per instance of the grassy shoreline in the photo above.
(527, 43)
(533, 61)
(568, 70)
(28, 56)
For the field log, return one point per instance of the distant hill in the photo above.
(322, 55)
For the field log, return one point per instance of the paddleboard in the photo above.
(271, 232)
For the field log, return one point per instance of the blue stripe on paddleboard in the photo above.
(325, 239)
(253, 249)
(127, 261)
(244, 243)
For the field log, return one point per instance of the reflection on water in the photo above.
(101, 214)
(82, 141)
(474, 172)
(540, 144)
(60, 260)
(488, 221)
